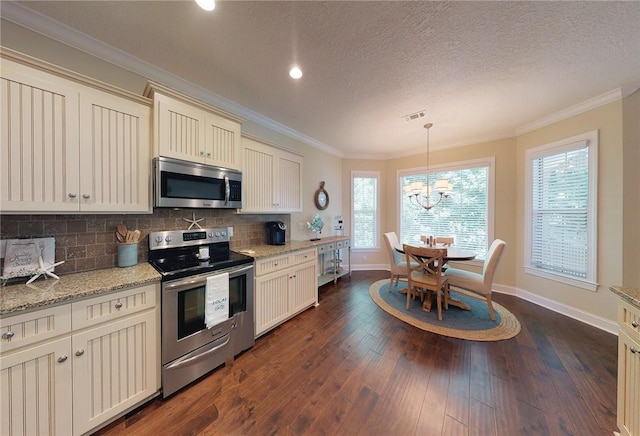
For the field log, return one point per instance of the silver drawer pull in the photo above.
(8, 335)
(634, 350)
(80, 352)
(62, 358)
(86, 196)
(72, 195)
(118, 305)
(634, 324)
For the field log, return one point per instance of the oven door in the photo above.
(183, 312)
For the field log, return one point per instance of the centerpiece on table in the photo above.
(316, 226)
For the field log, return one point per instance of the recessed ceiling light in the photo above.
(207, 5)
(295, 72)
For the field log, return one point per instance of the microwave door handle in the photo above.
(227, 190)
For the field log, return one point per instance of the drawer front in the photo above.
(346, 243)
(26, 329)
(271, 264)
(303, 256)
(93, 311)
(629, 319)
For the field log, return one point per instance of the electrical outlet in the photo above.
(230, 231)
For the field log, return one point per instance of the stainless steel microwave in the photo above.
(179, 183)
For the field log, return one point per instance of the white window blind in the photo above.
(465, 215)
(562, 211)
(365, 210)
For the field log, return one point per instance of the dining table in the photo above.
(455, 254)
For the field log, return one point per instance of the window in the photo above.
(561, 211)
(364, 191)
(467, 215)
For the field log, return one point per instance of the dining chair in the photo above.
(397, 264)
(479, 285)
(445, 241)
(427, 274)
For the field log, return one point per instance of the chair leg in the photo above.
(391, 282)
(492, 315)
(446, 296)
(439, 303)
(409, 292)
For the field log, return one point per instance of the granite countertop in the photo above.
(632, 295)
(261, 251)
(21, 297)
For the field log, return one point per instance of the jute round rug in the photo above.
(472, 325)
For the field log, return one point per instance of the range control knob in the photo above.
(210, 235)
(168, 238)
(159, 239)
(217, 234)
(223, 234)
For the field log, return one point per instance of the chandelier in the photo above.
(422, 195)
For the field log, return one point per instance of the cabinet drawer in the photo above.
(343, 244)
(270, 264)
(629, 319)
(26, 329)
(114, 305)
(303, 256)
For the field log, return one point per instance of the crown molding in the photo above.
(25, 17)
(572, 111)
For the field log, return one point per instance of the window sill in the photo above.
(583, 284)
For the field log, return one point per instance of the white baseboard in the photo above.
(588, 318)
(580, 315)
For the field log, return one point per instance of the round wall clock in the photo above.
(321, 197)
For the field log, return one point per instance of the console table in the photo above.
(331, 262)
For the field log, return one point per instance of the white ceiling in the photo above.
(481, 70)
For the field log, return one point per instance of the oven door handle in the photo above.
(197, 355)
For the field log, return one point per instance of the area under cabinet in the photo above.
(334, 260)
(285, 285)
(69, 369)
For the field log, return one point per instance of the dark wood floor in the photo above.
(348, 368)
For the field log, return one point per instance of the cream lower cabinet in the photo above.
(69, 146)
(629, 369)
(187, 129)
(272, 178)
(103, 365)
(285, 285)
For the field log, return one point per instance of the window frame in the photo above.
(371, 175)
(587, 140)
(489, 162)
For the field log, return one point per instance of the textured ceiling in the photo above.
(479, 69)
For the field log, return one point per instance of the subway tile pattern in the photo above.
(88, 242)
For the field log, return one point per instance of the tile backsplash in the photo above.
(88, 242)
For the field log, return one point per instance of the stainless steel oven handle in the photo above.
(227, 190)
(199, 280)
(195, 356)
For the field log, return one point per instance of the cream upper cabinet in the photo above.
(39, 142)
(190, 130)
(272, 178)
(628, 368)
(70, 146)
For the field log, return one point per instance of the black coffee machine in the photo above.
(276, 232)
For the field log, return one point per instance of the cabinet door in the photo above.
(259, 178)
(628, 385)
(303, 290)
(272, 300)
(39, 141)
(35, 390)
(289, 192)
(114, 368)
(179, 129)
(115, 156)
(222, 142)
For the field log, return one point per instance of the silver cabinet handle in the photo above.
(634, 350)
(72, 195)
(634, 324)
(62, 358)
(208, 154)
(86, 196)
(202, 153)
(118, 305)
(80, 352)
(8, 335)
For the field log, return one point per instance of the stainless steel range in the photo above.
(190, 262)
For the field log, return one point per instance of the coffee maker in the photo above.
(276, 232)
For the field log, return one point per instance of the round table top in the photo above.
(453, 253)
